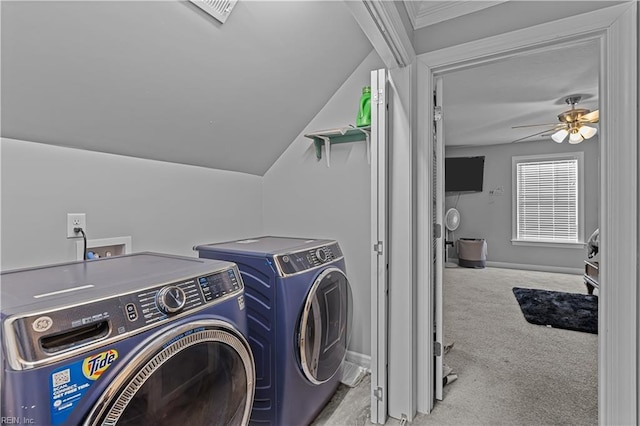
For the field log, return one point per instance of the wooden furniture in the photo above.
(591, 275)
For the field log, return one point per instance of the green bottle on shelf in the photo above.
(364, 112)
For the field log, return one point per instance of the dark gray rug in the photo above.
(571, 311)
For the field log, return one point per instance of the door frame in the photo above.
(615, 28)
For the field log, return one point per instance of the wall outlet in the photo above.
(76, 220)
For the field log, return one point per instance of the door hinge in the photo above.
(378, 97)
(377, 393)
(437, 349)
(437, 113)
(437, 230)
(378, 247)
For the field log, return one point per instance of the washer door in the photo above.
(325, 326)
(199, 373)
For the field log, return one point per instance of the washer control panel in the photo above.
(56, 332)
(171, 299)
(160, 303)
(303, 260)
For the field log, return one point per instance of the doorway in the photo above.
(618, 162)
(481, 315)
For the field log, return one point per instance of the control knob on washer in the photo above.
(171, 299)
(321, 255)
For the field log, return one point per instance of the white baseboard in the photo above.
(362, 360)
(541, 268)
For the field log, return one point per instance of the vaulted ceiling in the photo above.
(164, 80)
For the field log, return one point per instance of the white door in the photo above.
(438, 237)
(379, 262)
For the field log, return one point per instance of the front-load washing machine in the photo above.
(141, 339)
(299, 310)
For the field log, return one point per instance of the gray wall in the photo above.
(170, 207)
(489, 217)
(164, 207)
(304, 198)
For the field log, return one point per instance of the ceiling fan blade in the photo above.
(592, 117)
(535, 134)
(536, 125)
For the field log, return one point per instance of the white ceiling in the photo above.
(481, 104)
(164, 80)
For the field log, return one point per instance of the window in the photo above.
(547, 198)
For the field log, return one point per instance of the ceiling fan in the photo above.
(573, 123)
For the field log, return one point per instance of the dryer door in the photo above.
(325, 326)
(199, 373)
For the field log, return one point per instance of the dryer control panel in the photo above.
(49, 336)
(304, 260)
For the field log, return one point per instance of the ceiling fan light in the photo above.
(588, 132)
(575, 137)
(559, 135)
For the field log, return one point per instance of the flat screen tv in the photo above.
(463, 174)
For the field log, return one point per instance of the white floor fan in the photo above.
(451, 222)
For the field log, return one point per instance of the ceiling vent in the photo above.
(219, 9)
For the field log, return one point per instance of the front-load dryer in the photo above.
(299, 310)
(141, 339)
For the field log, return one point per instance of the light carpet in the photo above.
(510, 372)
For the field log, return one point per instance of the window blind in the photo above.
(547, 200)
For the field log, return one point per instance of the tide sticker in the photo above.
(94, 366)
(69, 383)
